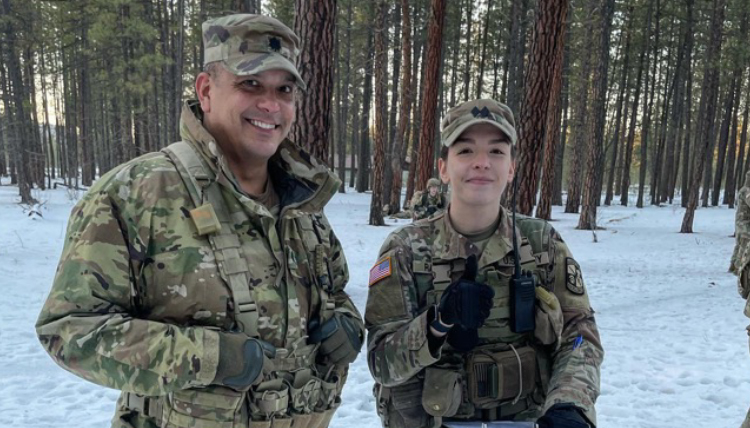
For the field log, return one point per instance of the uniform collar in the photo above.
(450, 244)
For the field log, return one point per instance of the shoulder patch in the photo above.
(381, 270)
(573, 277)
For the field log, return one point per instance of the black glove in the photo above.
(466, 302)
(563, 415)
(339, 337)
(462, 339)
(241, 360)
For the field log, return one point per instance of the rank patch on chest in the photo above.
(382, 269)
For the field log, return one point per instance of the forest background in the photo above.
(616, 101)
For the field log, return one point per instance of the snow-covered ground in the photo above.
(670, 318)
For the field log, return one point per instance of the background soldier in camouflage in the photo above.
(429, 201)
(204, 281)
(740, 264)
(440, 345)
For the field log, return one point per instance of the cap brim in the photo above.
(255, 63)
(458, 131)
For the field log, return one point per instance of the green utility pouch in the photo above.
(404, 405)
(441, 396)
(549, 319)
(212, 407)
(498, 377)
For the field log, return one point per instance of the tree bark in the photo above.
(706, 110)
(431, 85)
(315, 24)
(591, 193)
(405, 109)
(381, 132)
(615, 140)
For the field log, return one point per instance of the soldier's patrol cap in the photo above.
(248, 44)
(464, 115)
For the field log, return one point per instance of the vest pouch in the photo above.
(549, 320)
(501, 376)
(305, 392)
(404, 405)
(324, 402)
(269, 400)
(212, 407)
(442, 392)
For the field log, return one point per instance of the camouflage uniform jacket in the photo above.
(741, 253)
(138, 300)
(424, 205)
(397, 310)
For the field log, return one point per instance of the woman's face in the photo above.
(478, 167)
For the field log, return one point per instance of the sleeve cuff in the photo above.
(575, 398)
(418, 331)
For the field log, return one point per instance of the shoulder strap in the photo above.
(206, 195)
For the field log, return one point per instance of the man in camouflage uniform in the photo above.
(204, 281)
(429, 201)
(440, 343)
(740, 264)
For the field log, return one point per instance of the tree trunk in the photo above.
(565, 96)
(467, 48)
(19, 111)
(730, 116)
(405, 110)
(625, 182)
(552, 136)
(431, 85)
(591, 193)
(485, 30)
(741, 168)
(580, 110)
(517, 52)
(548, 40)
(648, 104)
(706, 110)
(363, 173)
(315, 24)
(381, 132)
(615, 140)
(344, 102)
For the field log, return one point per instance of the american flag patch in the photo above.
(381, 270)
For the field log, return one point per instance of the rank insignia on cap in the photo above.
(274, 43)
(382, 269)
(485, 112)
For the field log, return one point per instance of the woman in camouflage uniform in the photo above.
(442, 343)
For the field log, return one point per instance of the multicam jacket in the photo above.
(138, 299)
(402, 293)
(741, 253)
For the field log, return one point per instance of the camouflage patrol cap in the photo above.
(433, 182)
(462, 116)
(248, 44)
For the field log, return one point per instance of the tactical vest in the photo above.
(291, 394)
(508, 373)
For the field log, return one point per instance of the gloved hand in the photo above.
(466, 302)
(339, 337)
(563, 415)
(241, 360)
